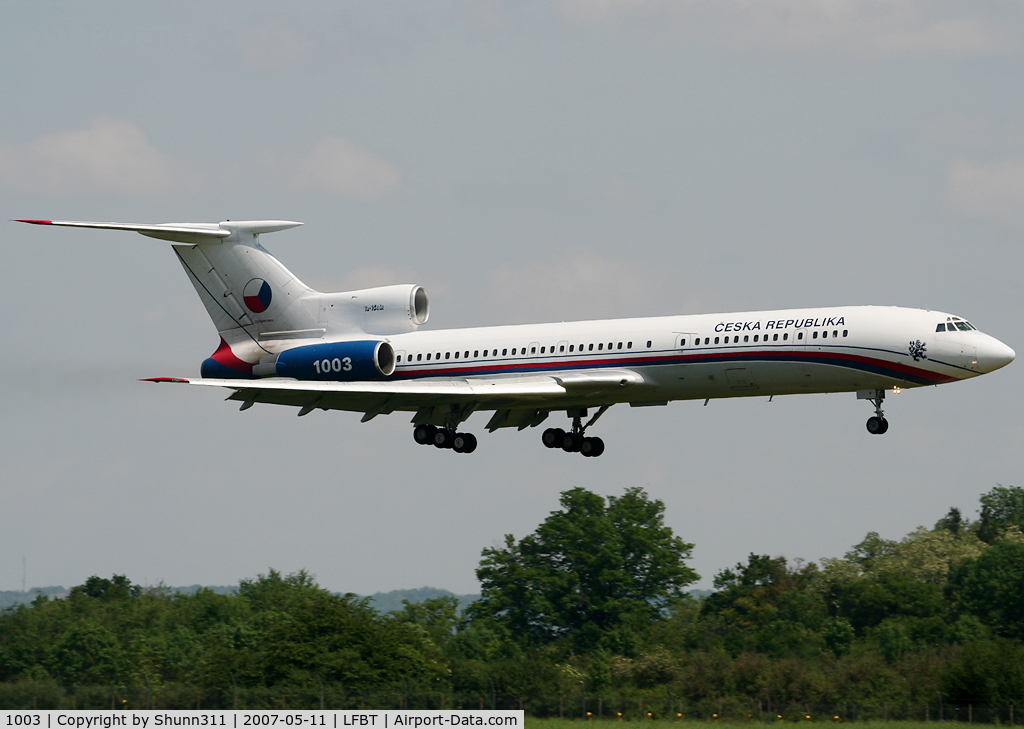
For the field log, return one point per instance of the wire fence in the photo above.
(47, 695)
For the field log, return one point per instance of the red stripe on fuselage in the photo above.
(447, 368)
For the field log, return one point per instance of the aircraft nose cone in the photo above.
(993, 354)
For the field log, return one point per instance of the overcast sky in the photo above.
(524, 161)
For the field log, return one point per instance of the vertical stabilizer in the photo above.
(253, 300)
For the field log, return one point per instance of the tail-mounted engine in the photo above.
(380, 310)
(335, 361)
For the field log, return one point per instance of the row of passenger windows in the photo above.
(600, 346)
(521, 351)
(764, 337)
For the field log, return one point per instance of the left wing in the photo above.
(540, 391)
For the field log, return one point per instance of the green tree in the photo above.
(591, 567)
(986, 673)
(764, 605)
(991, 588)
(1001, 508)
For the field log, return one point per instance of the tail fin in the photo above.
(251, 298)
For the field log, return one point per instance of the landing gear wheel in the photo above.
(571, 442)
(552, 437)
(592, 447)
(443, 438)
(424, 434)
(464, 443)
(877, 425)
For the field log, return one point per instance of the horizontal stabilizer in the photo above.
(182, 232)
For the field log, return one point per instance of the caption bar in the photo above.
(242, 719)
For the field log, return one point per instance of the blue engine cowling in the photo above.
(336, 361)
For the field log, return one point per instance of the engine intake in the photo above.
(334, 361)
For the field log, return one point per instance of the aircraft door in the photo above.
(684, 340)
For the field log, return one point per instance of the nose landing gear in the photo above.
(877, 424)
(575, 441)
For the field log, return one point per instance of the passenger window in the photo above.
(800, 335)
(419, 357)
(447, 355)
(824, 334)
(504, 352)
(561, 348)
(775, 338)
(648, 343)
(476, 353)
(600, 346)
(620, 344)
(437, 356)
(610, 345)
(785, 336)
(571, 347)
(466, 355)
(629, 345)
(845, 332)
(707, 340)
(398, 358)
(746, 337)
(815, 336)
(835, 333)
(590, 347)
(682, 342)
(716, 340)
(428, 355)
(513, 350)
(755, 337)
(533, 350)
(456, 355)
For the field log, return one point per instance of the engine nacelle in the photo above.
(380, 310)
(335, 361)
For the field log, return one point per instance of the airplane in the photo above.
(284, 343)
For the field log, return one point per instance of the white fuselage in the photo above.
(836, 349)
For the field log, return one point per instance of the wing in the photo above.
(430, 397)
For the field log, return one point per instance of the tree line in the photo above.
(590, 611)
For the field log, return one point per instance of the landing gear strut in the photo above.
(877, 424)
(575, 441)
(444, 438)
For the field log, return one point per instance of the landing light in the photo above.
(896, 390)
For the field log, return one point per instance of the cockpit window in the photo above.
(953, 323)
(941, 327)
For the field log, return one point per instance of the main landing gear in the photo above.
(877, 424)
(575, 441)
(444, 438)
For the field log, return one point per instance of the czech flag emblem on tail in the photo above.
(257, 295)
